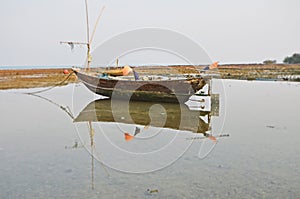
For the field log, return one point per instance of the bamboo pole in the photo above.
(88, 36)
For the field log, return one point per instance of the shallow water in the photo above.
(44, 154)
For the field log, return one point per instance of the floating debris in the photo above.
(75, 146)
(209, 136)
(277, 127)
(271, 127)
(151, 191)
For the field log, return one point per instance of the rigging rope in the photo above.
(65, 109)
(47, 89)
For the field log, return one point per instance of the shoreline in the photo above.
(32, 78)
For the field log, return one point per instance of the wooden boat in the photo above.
(173, 115)
(162, 89)
(148, 88)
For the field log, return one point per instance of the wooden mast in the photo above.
(89, 57)
(89, 38)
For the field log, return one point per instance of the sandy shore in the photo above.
(30, 78)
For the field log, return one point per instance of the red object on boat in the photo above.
(66, 72)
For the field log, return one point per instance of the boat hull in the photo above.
(172, 91)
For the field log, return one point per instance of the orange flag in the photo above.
(126, 70)
(213, 65)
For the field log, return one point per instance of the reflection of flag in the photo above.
(212, 138)
(137, 131)
(128, 137)
(126, 70)
(136, 75)
(71, 45)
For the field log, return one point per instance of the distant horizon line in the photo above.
(134, 65)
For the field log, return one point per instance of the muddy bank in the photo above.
(280, 72)
(30, 78)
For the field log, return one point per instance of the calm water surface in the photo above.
(45, 153)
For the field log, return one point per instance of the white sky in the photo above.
(232, 31)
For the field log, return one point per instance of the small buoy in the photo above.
(66, 72)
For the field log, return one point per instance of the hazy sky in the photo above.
(232, 31)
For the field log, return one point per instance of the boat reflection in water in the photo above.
(163, 115)
(195, 118)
